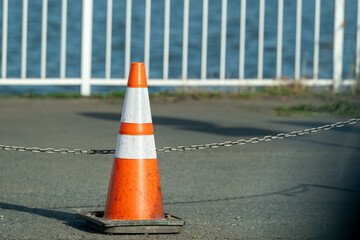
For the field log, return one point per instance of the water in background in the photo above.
(176, 22)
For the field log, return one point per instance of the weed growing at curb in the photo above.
(346, 103)
(197, 93)
(338, 107)
(47, 95)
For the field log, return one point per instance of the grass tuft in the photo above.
(47, 95)
(340, 107)
(284, 90)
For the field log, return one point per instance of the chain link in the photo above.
(258, 140)
(45, 150)
(192, 147)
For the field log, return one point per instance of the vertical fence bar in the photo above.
(338, 43)
(4, 39)
(204, 39)
(24, 38)
(261, 39)
(86, 46)
(223, 40)
(43, 38)
(109, 8)
(147, 36)
(166, 40)
(242, 39)
(185, 40)
(63, 39)
(298, 40)
(280, 24)
(127, 37)
(357, 63)
(316, 39)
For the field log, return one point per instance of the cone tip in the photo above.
(137, 76)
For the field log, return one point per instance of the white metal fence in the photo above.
(86, 81)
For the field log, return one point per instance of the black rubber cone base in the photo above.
(95, 220)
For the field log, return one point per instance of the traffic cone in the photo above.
(134, 189)
(134, 203)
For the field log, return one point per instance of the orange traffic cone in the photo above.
(134, 190)
(134, 203)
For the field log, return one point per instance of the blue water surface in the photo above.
(176, 29)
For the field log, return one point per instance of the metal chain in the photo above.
(258, 140)
(192, 147)
(44, 150)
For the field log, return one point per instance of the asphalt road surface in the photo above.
(304, 187)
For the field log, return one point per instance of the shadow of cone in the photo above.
(134, 197)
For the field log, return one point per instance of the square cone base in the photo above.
(95, 220)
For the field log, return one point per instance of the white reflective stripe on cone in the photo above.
(136, 107)
(135, 147)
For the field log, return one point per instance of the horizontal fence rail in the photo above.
(203, 26)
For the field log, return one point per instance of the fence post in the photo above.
(339, 10)
(4, 39)
(86, 46)
(357, 64)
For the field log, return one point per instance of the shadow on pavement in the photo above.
(70, 219)
(348, 227)
(347, 220)
(293, 191)
(330, 145)
(192, 125)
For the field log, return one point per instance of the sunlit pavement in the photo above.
(297, 188)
